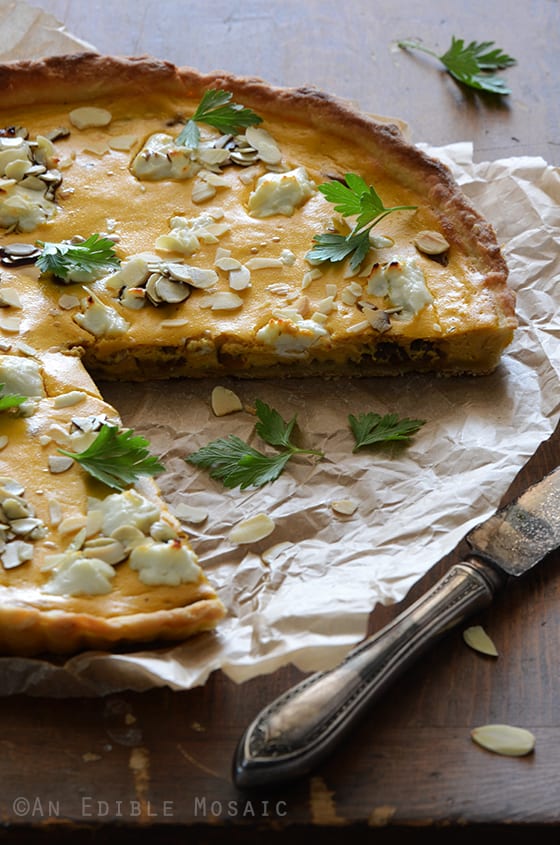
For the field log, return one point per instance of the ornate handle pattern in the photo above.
(301, 727)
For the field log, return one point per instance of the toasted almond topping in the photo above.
(72, 524)
(68, 301)
(123, 142)
(10, 324)
(226, 262)
(358, 327)
(431, 242)
(16, 553)
(55, 512)
(221, 301)
(96, 148)
(9, 297)
(477, 638)
(240, 279)
(86, 117)
(66, 400)
(310, 276)
(264, 143)
(504, 739)
(202, 191)
(263, 263)
(59, 463)
(252, 530)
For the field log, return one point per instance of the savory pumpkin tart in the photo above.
(157, 222)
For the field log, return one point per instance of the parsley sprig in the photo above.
(234, 462)
(217, 109)
(117, 457)
(10, 400)
(370, 429)
(473, 64)
(354, 198)
(78, 262)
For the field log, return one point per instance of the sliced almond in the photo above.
(264, 143)
(346, 507)
(59, 463)
(72, 524)
(477, 638)
(504, 739)
(240, 278)
(66, 400)
(431, 242)
(55, 512)
(227, 263)
(68, 301)
(123, 142)
(190, 513)
(9, 297)
(10, 324)
(16, 553)
(225, 401)
(253, 529)
(89, 116)
(221, 301)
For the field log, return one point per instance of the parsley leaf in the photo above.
(332, 247)
(273, 429)
(235, 463)
(117, 457)
(232, 461)
(81, 262)
(354, 198)
(10, 400)
(472, 63)
(216, 109)
(372, 428)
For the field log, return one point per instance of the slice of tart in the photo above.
(83, 565)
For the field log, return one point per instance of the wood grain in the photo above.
(157, 765)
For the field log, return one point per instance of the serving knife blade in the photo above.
(294, 733)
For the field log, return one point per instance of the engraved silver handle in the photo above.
(301, 727)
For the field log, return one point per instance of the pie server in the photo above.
(295, 732)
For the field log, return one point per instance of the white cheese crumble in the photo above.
(402, 281)
(291, 336)
(128, 508)
(21, 376)
(76, 575)
(186, 234)
(162, 158)
(164, 563)
(99, 319)
(281, 193)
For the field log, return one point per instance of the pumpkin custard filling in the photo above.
(156, 222)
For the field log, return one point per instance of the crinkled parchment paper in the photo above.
(29, 33)
(304, 594)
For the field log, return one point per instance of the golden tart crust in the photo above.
(464, 327)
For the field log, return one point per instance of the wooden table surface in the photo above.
(130, 766)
